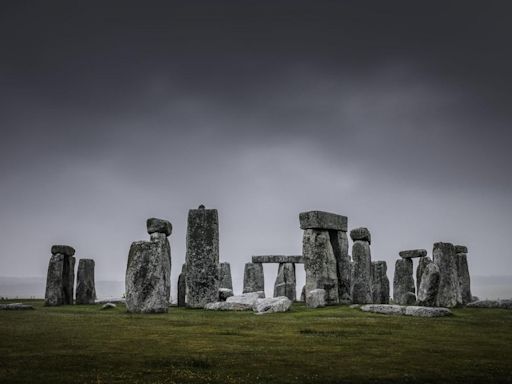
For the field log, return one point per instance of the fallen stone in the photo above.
(108, 306)
(427, 311)
(272, 305)
(16, 307)
(380, 283)
(65, 250)
(461, 249)
(322, 220)
(386, 309)
(85, 287)
(246, 298)
(114, 300)
(278, 259)
(503, 304)
(285, 281)
(449, 294)
(225, 280)
(339, 243)
(227, 306)
(315, 298)
(412, 253)
(182, 286)
(403, 282)
(422, 264)
(155, 225)
(429, 286)
(254, 280)
(361, 273)
(202, 257)
(224, 293)
(361, 234)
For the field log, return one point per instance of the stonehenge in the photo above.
(380, 283)
(444, 257)
(463, 274)
(403, 282)
(254, 280)
(182, 286)
(422, 264)
(202, 257)
(85, 287)
(225, 280)
(285, 284)
(148, 272)
(60, 279)
(429, 285)
(362, 267)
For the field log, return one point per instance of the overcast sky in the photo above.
(396, 114)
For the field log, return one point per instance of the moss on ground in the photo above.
(82, 344)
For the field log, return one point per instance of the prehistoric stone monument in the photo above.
(404, 290)
(380, 282)
(362, 267)
(182, 286)
(449, 294)
(254, 280)
(429, 285)
(60, 279)
(85, 288)
(463, 274)
(325, 251)
(148, 273)
(285, 284)
(423, 261)
(202, 257)
(225, 280)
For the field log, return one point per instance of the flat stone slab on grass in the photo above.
(108, 306)
(15, 307)
(322, 220)
(413, 253)
(503, 304)
(246, 298)
(272, 305)
(278, 259)
(227, 306)
(114, 300)
(392, 309)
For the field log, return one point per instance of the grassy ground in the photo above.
(81, 344)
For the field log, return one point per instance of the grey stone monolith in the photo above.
(362, 267)
(380, 282)
(225, 280)
(182, 286)
(422, 264)
(60, 279)
(403, 282)
(85, 287)
(449, 291)
(202, 257)
(463, 275)
(429, 285)
(285, 284)
(320, 264)
(254, 279)
(303, 294)
(339, 243)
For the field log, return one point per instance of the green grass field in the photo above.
(82, 344)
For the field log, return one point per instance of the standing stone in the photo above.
(303, 294)
(403, 282)
(85, 288)
(182, 286)
(254, 280)
(380, 282)
(362, 267)
(429, 285)
(449, 291)
(225, 276)
(320, 264)
(202, 257)
(60, 280)
(339, 242)
(422, 265)
(285, 284)
(463, 274)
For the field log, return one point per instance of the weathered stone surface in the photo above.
(322, 220)
(182, 286)
(427, 311)
(108, 306)
(202, 257)
(155, 225)
(362, 273)
(464, 278)
(422, 265)
(339, 243)
(254, 279)
(60, 280)
(429, 286)
(320, 264)
(156, 236)
(409, 299)
(148, 275)
(503, 304)
(285, 284)
(461, 249)
(385, 309)
(303, 294)
(85, 287)
(272, 305)
(113, 300)
(403, 281)
(246, 298)
(278, 259)
(315, 298)
(227, 306)
(16, 307)
(65, 250)
(224, 293)
(361, 234)
(413, 253)
(449, 291)
(225, 280)
(380, 282)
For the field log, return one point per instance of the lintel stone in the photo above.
(322, 220)
(412, 253)
(278, 259)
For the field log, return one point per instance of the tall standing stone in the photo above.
(339, 242)
(225, 280)
(422, 265)
(202, 257)
(380, 283)
(362, 266)
(60, 280)
(463, 274)
(85, 287)
(254, 279)
(403, 282)
(182, 286)
(445, 258)
(148, 271)
(429, 285)
(285, 284)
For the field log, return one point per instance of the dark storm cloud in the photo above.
(385, 111)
